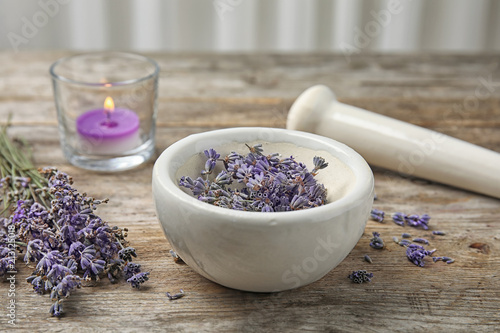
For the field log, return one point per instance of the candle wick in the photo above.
(108, 116)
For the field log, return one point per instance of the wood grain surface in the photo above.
(453, 94)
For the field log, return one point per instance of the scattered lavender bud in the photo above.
(404, 242)
(360, 276)
(445, 258)
(437, 258)
(376, 242)
(405, 235)
(375, 196)
(368, 259)
(417, 221)
(451, 261)
(416, 254)
(421, 240)
(439, 233)
(175, 296)
(395, 239)
(399, 218)
(377, 215)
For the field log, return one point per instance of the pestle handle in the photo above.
(397, 145)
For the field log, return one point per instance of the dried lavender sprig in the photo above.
(19, 179)
(54, 221)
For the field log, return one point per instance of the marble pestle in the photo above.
(397, 145)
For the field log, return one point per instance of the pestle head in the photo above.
(306, 112)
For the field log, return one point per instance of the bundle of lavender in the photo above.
(43, 216)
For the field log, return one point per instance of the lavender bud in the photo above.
(421, 240)
(368, 259)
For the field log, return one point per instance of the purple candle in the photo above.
(109, 130)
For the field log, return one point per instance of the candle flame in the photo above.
(109, 104)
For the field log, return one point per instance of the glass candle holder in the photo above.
(106, 106)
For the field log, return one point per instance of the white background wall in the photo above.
(251, 25)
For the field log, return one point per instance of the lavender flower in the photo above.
(66, 240)
(131, 269)
(138, 279)
(65, 286)
(360, 276)
(319, 163)
(127, 253)
(270, 184)
(376, 242)
(416, 254)
(212, 157)
(377, 215)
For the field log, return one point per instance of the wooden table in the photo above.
(456, 95)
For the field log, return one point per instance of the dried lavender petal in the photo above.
(175, 296)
